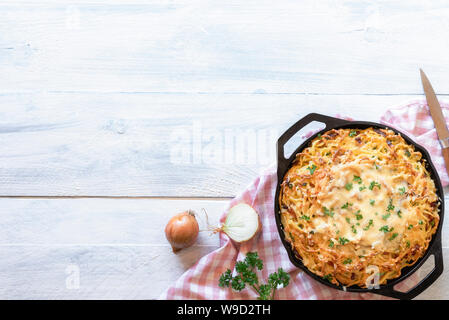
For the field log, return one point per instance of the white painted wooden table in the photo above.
(115, 116)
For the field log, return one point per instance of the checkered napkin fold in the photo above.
(201, 280)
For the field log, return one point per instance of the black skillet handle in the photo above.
(424, 283)
(330, 122)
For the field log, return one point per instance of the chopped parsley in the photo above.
(312, 169)
(328, 212)
(374, 184)
(348, 186)
(408, 244)
(331, 244)
(410, 226)
(346, 205)
(399, 213)
(421, 222)
(376, 166)
(386, 216)
(348, 220)
(371, 202)
(304, 217)
(385, 229)
(401, 190)
(390, 205)
(407, 153)
(370, 223)
(357, 179)
(358, 216)
(394, 235)
(352, 133)
(343, 240)
(347, 261)
(354, 230)
(328, 277)
(362, 188)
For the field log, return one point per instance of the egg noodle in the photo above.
(358, 198)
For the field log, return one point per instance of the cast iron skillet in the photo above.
(435, 245)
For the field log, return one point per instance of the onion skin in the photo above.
(182, 230)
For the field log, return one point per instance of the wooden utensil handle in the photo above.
(446, 158)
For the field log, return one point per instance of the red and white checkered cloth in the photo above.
(201, 280)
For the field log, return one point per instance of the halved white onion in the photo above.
(242, 223)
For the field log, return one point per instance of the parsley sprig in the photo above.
(246, 275)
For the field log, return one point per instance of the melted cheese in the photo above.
(362, 206)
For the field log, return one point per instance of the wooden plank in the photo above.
(191, 145)
(115, 246)
(242, 46)
(110, 272)
(98, 222)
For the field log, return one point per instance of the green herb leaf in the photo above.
(246, 275)
(402, 190)
(374, 184)
(352, 133)
(328, 212)
(346, 205)
(348, 186)
(304, 217)
(394, 235)
(264, 292)
(371, 202)
(328, 277)
(357, 179)
(347, 261)
(362, 188)
(253, 260)
(331, 244)
(342, 240)
(225, 279)
(370, 223)
(312, 169)
(386, 229)
(390, 205)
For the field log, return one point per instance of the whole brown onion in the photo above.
(182, 230)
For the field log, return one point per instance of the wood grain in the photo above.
(343, 47)
(91, 144)
(139, 99)
(118, 246)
